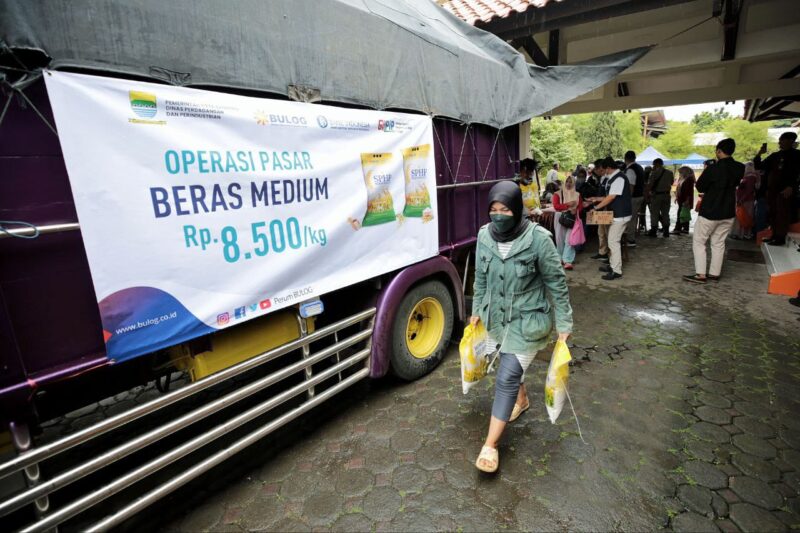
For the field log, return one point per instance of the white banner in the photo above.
(200, 210)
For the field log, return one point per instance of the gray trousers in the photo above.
(659, 211)
(506, 387)
(630, 230)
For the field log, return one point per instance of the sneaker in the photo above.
(712, 278)
(666, 235)
(605, 268)
(600, 256)
(611, 276)
(694, 278)
(568, 266)
(631, 244)
(652, 234)
(606, 261)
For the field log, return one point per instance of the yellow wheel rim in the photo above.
(425, 328)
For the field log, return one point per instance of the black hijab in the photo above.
(508, 194)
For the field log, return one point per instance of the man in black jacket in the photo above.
(718, 184)
(781, 170)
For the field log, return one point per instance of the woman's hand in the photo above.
(473, 320)
(563, 337)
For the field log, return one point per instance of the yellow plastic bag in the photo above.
(555, 387)
(474, 359)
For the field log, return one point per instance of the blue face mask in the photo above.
(503, 223)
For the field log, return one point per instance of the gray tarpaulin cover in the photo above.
(399, 54)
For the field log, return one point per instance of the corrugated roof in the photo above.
(472, 11)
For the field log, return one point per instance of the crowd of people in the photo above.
(727, 199)
(520, 290)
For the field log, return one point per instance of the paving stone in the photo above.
(792, 457)
(793, 480)
(693, 523)
(290, 525)
(782, 465)
(724, 452)
(354, 482)
(788, 519)
(790, 437)
(753, 427)
(322, 508)
(719, 505)
(754, 446)
(753, 409)
(440, 499)
(714, 387)
(262, 513)
(696, 498)
(756, 467)
(714, 415)
(756, 492)
(413, 521)
(352, 522)
(382, 503)
(714, 400)
(794, 505)
(710, 432)
(715, 374)
(750, 518)
(700, 450)
(460, 478)
(705, 474)
(409, 478)
(784, 490)
(406, 441)
(726, 526)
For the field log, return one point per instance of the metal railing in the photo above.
(29, 231)
(98, 461)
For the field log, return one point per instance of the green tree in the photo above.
(630, 128)
(782, 123)
(553, 141)
(599, 134)
(749, 137)
(677, 142)
(708, 121)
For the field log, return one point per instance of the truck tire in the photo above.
(421, 330)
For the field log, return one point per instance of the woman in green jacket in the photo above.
(517, 267)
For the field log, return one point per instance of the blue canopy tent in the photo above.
(649, 154)
(692, 159)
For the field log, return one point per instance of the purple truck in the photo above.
(53, 349)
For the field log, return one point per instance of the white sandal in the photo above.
(491, 456)
(518, 410)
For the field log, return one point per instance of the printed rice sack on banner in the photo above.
(474, 359)
(415, 168)
(555, 387)
(378, 179)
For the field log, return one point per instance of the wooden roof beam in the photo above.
(528, 44)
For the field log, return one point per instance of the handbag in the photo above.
(577, 237)
(567, 219)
